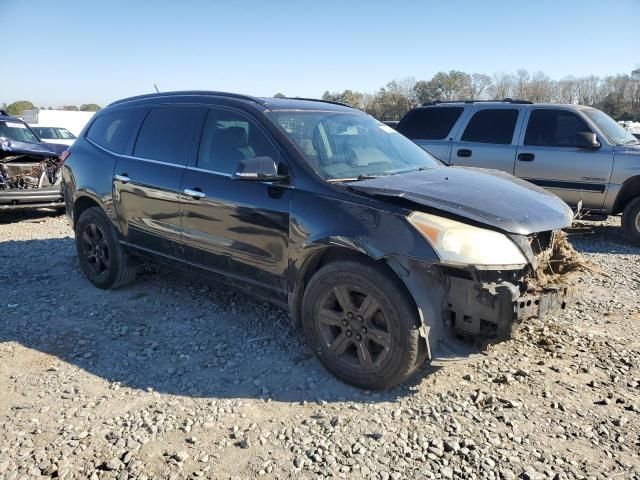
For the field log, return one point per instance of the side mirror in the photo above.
(587, 140)
(258, 169)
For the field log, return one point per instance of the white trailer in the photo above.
(72, 121)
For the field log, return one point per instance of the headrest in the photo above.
(233, 137)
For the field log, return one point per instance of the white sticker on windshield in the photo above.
(15, 125)
(386, 128)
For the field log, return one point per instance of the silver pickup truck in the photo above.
(579, 153)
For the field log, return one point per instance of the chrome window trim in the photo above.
(131, 157)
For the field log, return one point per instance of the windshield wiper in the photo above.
(354, 179)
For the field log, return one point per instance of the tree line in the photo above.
(617, 95)
(16, 108)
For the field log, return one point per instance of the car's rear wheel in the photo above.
(101, 257)
(631, 220)
(362, 325)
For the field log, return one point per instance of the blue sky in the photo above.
(72, 51)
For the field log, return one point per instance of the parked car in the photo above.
(58, 135)
(382, 253)
(30, 174)
(579, 153)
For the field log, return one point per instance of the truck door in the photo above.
(489, 139)
(432, 128)
(548, 156)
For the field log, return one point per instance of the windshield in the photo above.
(65, 134)
(45, 132)
(351, 146)
(17, 131)
(611, 129)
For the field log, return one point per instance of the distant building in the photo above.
(72, 121)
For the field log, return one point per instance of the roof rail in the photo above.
(192, 92)
(320, 100)
(504, 100)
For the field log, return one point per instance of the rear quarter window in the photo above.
(113, 130)
(432, 123)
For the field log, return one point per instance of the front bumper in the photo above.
(490, 311)
(16, 199)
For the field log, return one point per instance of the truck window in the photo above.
(433, 123)
(495, 125)
(554, 128)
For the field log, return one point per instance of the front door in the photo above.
(235, 227)
(547, 156)
(146, 183)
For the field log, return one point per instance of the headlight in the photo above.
(460, 243)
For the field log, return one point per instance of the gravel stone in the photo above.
(97, 384)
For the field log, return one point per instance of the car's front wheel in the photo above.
(101, 256)
(631, 220)
(362, 325)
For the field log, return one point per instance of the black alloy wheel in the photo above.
(95, 248)
(354, 327)
(362, 325)
(100, 254)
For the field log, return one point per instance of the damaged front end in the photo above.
(29, 177)
(487, 305)
(464, 308)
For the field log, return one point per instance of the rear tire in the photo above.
(362, 325)
(631, 220)
(102, 258)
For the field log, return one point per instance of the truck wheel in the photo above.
(362, 325)
(102, 259)
(631, 220)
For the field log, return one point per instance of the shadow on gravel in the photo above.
(168, 332)
(602, 239)
(40, 214)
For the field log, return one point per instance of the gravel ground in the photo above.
(174, 378)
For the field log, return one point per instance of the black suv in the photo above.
(385, 256)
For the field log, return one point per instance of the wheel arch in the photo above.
(83, 202)
(630, 189)
(325, 254)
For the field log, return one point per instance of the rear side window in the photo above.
(554, 128)
(430, 123)
(491, 126)
(112, 130)
(164, 134)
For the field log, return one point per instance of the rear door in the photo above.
(489, 139)
(146, 182)
(548, 157)
(433, 128)
(234, 227)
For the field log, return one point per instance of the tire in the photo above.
(101, 257)
(362, 325)
(631, 220)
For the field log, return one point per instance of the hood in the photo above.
(14, 147)
(489, 197)
(627, 149)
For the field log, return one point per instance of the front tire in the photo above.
(101, 257)
(631, 220)
(362, 325)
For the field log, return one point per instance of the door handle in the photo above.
(122, 178)
(526, 157)
(464, 152)
(196, 193)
